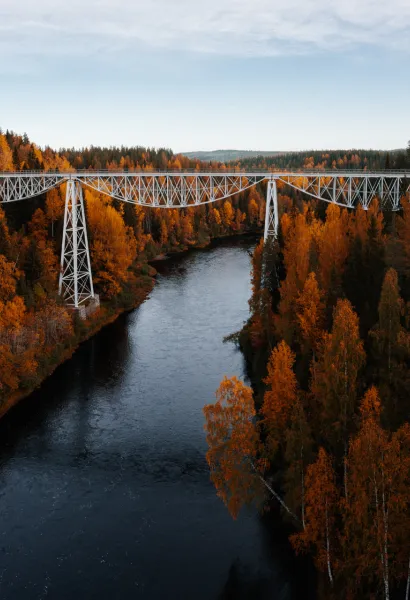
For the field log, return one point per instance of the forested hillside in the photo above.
(325, 435)
(329, 159)
(36, 329)
(228, 155)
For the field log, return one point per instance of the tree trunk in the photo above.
(329, 569)
(408, 583)
(385, 512)
(345, 470)
(302, 477)
(275, 494)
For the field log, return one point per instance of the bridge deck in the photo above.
(205, 173)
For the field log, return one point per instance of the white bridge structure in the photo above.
(186, 189)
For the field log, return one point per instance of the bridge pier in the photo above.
(271, 213)
(75, 282)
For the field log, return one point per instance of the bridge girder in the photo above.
(179, 190)
(183, 190)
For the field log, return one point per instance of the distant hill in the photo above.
(228, 155)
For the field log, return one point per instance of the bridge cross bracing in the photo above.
(158, 189)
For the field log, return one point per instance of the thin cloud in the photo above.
(224, 27)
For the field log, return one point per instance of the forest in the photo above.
(324, 433)
(328, 159)
(37, 331)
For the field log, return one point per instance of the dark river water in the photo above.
(104, 487)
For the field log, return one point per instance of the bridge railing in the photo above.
(204, 171)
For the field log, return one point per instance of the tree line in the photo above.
(328, 159)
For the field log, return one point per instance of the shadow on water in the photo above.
(247, 583)
(242, 585)
(100, 361)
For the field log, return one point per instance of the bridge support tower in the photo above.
(76, 283)
(271, 214)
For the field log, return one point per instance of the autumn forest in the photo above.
(36, 330)
(323, 434)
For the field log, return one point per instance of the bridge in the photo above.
(182, 189)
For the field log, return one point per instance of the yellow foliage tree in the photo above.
(113, 245)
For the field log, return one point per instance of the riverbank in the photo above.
(131, 297)
(83, 330)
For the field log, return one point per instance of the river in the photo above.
(104, 487)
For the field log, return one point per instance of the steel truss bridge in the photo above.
(186, 189)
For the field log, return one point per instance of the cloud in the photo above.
(222, 27)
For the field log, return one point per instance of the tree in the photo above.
(54, 207)
(310, 314)
(376, 520)
(297, 234)
(334, 386)
(227, 214)
(322, 499)
(255, 203)
(113, 245)
(41, 261)
(390, 311)
(8, 281)
(6, 155)
(280, 396)
(333, 251)
(365, 264)
(253, 211)
(298, 445)
(260, 303)
(5, 238)
(234, 445)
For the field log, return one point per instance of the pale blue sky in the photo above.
(248, 74)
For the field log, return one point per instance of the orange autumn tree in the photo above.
(6, 155)
(319, 534)
(253, 211)
(55, 206)
(391, 307)
(8, 276)
(227, 214)
(233, 442)
(310, 315)
(333, 249)
(234, 446)
(280, 396)
(298, 449)
(16, 344)
(42, 254)
(334, 385)
(260, 304)
(113, 245)
(256, 205)
(297, 234)
(377, 526)
(364, 223)
(12, 307)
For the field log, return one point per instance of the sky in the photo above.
(203, 75)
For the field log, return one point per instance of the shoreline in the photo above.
(106, 315)
(95, 323)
